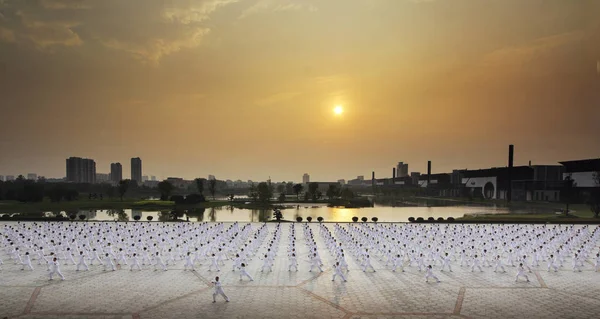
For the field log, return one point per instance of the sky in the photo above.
(245, 89)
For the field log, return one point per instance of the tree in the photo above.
(312, 190)
(346, 194)
(595, 196)
(253, 192)
(289, 188)
(200, 185)
(333, 191)
(567, 193)
(282, 197)
(165, 188)
(280, 188)
(297, 190)
(264, 192)
(212, 187)
(123, 186)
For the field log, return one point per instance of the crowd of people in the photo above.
(396, 246)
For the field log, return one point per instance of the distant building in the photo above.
(323, 186)
(81, 170)
(144, 178)
(116, 172)
(360, 177)
(402, 170)
(178, 182)
(102, 178)
(211, 177)
(416, 177)
(10, 178)
(32, 176)
(152, 178)
(305, 178)
(151, 184)
(136, 170)
(1, 178)
(582, 172)
(342, 181)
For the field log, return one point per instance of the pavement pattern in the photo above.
(282, 294)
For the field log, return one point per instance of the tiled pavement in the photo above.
(282, 294)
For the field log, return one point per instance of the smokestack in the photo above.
(511, 151)
(428, 173)
(373, 178)
(394, 175)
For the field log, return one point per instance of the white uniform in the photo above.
(219, 291)
(82, 263)
(429, 274)
(521, 273)
(337, 271)
(26, 262)
(243, 273)
(55, 269)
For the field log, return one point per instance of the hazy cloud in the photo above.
(276, 98)
(277, 6)
(65, 4)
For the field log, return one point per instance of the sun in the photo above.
(338, 110)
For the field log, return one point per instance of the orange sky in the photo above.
(246, 88)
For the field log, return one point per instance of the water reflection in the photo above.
(330, 214)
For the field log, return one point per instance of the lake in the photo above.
(330, 214)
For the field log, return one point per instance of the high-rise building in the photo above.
(102, 178)
(402, 170)
(10, 178)
(136, 170)
(32, 176)
(81, 170)
(145, 178)
(116, 172)
(305, 178)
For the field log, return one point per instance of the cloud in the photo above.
(276, 98)
(519, 55)
(65, 4)
(277, 6)
(148, 30)
(30, 23)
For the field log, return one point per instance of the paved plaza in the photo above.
(282, 294)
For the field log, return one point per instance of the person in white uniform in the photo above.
(26, 262)
(188, 262)
(82, 262)
(218, 290)
(243, 272)
(337, 271)
(521, 273)
(55, 269)
(429, 274)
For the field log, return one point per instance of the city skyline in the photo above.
(258, 88)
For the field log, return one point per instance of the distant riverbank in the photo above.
(12, 207)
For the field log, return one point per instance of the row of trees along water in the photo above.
(24, 190)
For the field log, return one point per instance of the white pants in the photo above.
(82, 263)
(56, 271)
(219, 292)
(243, 272)
(28, 264)
(338, 274)
(427, 276)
